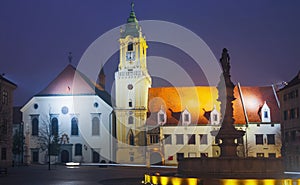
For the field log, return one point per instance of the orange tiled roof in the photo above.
(200, 100)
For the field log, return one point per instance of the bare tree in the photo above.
(48, 138)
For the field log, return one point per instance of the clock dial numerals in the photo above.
(130, 55)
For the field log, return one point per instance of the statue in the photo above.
(225, 62)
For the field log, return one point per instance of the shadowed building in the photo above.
(6, 121)
(290, 123)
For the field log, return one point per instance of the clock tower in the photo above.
(132, 82)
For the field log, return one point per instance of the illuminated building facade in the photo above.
(290, 120)
(132, 82)
(185, 121)
(75, 111)
(162, 125)
(6, 121)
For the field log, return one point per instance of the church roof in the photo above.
(200, 101)
(72, 82)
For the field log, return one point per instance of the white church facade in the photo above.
(75, 110)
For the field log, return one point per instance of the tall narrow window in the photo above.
(35, 127)
(131, 138)
(130, 46)
(179, 139)
(74, 127)
(203, 139)
(5, 97)
(3, 153)
(78, 149)
(54, 126)
(168, 139)
(259, 139)
(4, 127)
(271, 139)
(130, 120)
(192, 140)
(96, 126)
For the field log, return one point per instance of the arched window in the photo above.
(54, 126)
(78, 149)
(130, 120)
(95, 126)
(74, 127)
(35, 126)
(130, 138)
(130, 46)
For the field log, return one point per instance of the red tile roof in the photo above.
(200, 100)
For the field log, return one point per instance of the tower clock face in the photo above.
(130, 55)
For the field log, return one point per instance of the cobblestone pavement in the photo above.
(83, 175)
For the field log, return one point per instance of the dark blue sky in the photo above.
(36, 36)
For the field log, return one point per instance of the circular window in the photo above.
(130, 86)
(96, 105)
(35, 106)
(65, 110)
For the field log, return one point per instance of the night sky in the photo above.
(35, 36)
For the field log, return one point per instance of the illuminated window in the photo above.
(78, 149)
(259, 139)
(95, 126)
(260, 155)
(179, 139)
(74, 127)
(35, 127)
(130, 46)
(203, 139)
(54, 126)
(168, 139)
(192, 140)
(271, 139)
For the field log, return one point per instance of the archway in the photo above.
(156, 158)
(64, 156)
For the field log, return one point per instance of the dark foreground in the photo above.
(82, 175)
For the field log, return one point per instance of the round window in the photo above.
(35, 106)
(65, 110)
(96, 105)
(130, 86)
